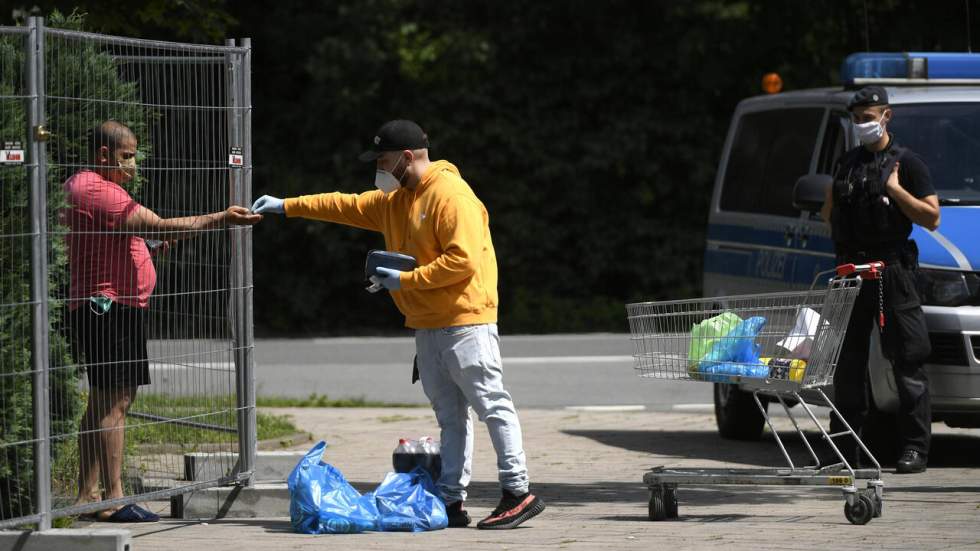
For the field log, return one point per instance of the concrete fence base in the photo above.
(67, 539)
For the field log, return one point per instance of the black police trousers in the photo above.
(905, 341)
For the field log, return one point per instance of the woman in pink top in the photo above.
(112, 278)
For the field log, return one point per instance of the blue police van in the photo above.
(765, 233)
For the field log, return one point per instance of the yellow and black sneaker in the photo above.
(512, 511)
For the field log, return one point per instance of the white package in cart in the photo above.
(799, 341)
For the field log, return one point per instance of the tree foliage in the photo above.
(591, 130)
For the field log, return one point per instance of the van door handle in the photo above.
(789, 235)
(804, 238)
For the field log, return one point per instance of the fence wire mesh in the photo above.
(148, 290)
(17, 441)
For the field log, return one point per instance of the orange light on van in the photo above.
(772, 83)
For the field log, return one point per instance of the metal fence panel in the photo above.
(17, 308)
(186, 292)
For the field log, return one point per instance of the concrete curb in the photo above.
(258, 501)
(270, 466)
(65, 539)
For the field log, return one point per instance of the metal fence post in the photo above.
(39, 272)
(240, 321)
(249, 435)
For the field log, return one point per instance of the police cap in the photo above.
(868, 96)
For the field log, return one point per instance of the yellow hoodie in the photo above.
(444, 226)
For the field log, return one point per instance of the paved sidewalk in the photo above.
(588, 467)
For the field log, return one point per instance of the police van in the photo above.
(765, 233)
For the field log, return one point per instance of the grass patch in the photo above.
(323, 401)
(211, 411)
(273, 426)
(218, 411)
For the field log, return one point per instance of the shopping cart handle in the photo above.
(871, 270)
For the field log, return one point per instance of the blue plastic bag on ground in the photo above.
(321, 501)
(736, 353)
(408, 502)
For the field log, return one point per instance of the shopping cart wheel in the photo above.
(658, 505)
(870, 492)
(670, 502)
(862, 511)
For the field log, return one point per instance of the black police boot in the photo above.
(912, 461)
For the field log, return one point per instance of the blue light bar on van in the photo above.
(910, 68)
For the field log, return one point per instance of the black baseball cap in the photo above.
(396, 135)
(868, 96)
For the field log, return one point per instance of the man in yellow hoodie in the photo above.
(425, 209)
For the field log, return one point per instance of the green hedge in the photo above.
(82, 72)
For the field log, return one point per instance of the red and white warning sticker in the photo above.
(235, 157)
(12, 153)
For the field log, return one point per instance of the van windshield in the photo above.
(947, 137)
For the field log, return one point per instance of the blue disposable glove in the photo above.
(268, 203)
(389, 279)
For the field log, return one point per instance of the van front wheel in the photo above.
(736, 414)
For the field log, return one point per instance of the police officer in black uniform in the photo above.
(880, 189)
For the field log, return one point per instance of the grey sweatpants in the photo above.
(460, 367)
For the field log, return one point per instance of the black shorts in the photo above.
(111, 346)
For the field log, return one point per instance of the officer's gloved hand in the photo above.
(268, 203)
(389, 279)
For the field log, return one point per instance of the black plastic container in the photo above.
(388, 259)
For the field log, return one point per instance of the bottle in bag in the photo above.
(430, 459)
(334, 525)
(398, 524)
(403, 458)
(421, 453)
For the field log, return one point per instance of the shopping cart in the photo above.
(776, 345)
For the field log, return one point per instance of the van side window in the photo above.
(771, 150)
(834, 142)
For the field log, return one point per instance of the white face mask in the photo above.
(386, 181)
(128, 166)
(869, 132)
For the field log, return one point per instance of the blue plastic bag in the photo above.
(321, 501)
(736, 353)
(724, 371)
(408, 502)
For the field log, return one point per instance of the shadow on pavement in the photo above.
(484, 495)
(683, 517)
(667, 447)
(948, 450)
(269, 525)
(168, 525)
(945, 489)
(670, 446)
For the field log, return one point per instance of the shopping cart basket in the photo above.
(774, 344)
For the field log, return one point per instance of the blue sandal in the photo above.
(133, 513)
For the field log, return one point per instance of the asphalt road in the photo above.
(547, 371)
